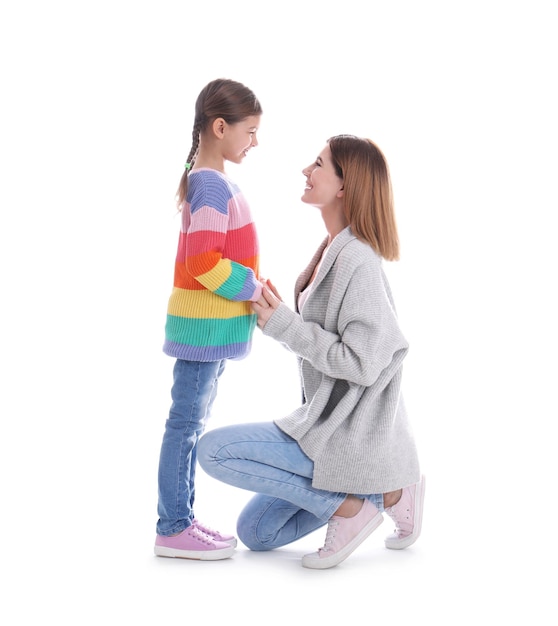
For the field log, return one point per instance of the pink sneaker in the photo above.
(344, 534)
(407, 515)
(215, 534)
(192, 543)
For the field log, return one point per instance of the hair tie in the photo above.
(187, 166)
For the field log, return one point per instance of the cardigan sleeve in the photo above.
(350, 331)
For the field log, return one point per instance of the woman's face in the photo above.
(323, 186)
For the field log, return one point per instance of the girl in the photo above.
(209, 319)
(347, 454)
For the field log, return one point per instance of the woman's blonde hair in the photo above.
(368, 197)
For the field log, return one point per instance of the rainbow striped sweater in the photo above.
(216, 273)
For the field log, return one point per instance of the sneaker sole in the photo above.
(401, 544)
(315, 562)
(231, 542)
(195, 555)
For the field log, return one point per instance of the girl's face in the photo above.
(323, 186)
(239, 138)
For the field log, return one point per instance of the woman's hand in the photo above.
(267, 303)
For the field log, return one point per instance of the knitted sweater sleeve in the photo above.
(350, 331)
(216, 220)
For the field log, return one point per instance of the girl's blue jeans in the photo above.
(193, 393)
(260, 457)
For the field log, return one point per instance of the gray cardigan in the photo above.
(353, 422)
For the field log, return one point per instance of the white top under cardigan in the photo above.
(353, 424)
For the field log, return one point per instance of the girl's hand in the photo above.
(265, 306)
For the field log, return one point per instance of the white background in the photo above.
(96, 119)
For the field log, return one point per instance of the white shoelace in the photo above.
(201, 536)
(330, 535)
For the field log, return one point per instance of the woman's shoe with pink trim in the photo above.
(344, 535)
(407, 515)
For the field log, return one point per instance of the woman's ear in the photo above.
(341, 191)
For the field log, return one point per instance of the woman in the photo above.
(347, 454)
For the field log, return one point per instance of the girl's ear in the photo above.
(341, 192)
(218, 127)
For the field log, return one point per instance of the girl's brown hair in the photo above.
(368, 198)
(220, 98)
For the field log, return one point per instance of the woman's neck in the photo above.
(334, 220)
(334, 227)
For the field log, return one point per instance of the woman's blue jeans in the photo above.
(193, 393)
(260, 457)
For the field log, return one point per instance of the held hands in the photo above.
(267, 303)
